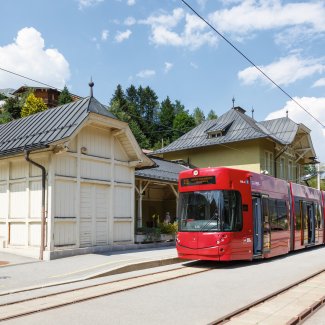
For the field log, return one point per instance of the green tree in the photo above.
(13, 106)
(182, 124)
(198, 116)
(33, 105)
(148, 108)
(139, 135)
(166, 117)
(125, 108)
(179, 107)
(5, 117)
(212, 115)
(65, 96)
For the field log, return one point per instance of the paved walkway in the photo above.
(22, 272)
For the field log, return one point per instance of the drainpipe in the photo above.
(43, 202)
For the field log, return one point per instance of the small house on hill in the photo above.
(67, 181)
(278, 147)
(50, 96)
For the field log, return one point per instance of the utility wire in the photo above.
(39, 82)
(252, 63)
(50, 86)
(131, 115)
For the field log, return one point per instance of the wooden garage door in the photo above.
(94, 215)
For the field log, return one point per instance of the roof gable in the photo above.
(283, 129)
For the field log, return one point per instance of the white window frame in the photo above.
(290, 169)
(268, 162)
(282, 168)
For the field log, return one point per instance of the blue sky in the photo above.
(162, 44)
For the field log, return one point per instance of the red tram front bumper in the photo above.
(213, 246)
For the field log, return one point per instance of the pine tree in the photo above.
(182, 124)
(166, 118)
(198, 116)
(33, 105)
(65, 96)
(212, 115)
(13, 107)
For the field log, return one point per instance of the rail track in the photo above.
(38, 303)
(290, 305)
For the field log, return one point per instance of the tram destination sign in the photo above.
(202, 180)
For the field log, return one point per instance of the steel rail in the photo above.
(23, 307)
(296, 320)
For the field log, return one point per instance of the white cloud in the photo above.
(316, 107)
(105, 34)
(284, 71)
(168, 67)
(294, 36)
(129, 21)
(248, 16)
(146, 74)
(122, 36)
(28, 56)
(131, 2)
(164, 30)
(319, 83)
(194, 65)
(88, 3)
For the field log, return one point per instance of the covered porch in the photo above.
(156, 195)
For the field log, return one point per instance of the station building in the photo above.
(67, 181)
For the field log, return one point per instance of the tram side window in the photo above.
(298, 214)
(282, 215)
(318, 215)
(278, 214)
(232, 218)
(273, 215)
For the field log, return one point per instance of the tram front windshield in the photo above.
(210, 211)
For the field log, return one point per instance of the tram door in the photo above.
(257, 220)
(310, 224)
(262, 233)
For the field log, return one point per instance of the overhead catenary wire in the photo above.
(252, 63)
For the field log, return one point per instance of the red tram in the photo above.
(227, 214)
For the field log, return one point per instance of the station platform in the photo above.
(19, 273)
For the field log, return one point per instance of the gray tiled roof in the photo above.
(39, 130)
(163, 170)
(238, 127)
(283, 129)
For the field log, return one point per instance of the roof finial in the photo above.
(253, 112)
(287, 113)
(91, 85)
(233, 102)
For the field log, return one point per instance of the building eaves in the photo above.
(163, 170)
